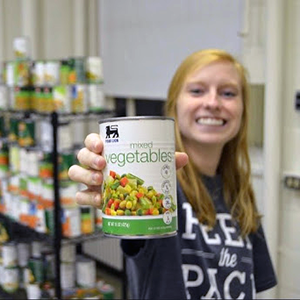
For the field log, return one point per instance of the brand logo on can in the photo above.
(112, 133)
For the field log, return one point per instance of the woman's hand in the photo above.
(91, 174)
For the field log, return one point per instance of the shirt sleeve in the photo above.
(264, 274)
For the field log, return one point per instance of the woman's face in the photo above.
(210, 105)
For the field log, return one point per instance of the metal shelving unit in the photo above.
(16, 229)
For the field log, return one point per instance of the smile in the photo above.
(211, 121)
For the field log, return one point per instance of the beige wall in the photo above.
(56, 28)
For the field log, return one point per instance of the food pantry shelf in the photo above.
(25, 233)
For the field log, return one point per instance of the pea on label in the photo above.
(139, 185)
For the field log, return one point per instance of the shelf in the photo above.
(15, 228)
(19, 294)
(35, 114)
(83, 238)
(21, 232)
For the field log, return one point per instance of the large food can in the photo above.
(9, 255)
(85, 272)
(10, 279)
(139, 188)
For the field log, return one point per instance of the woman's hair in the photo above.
(234, 165)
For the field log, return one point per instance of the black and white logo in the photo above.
(112, 132)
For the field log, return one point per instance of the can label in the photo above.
(85, 272)
(38, 76)
(21, 47)
(94, 69)
(52, 73)
(10, 279)
(9, 255)
(139, 189)
(87, 219)
(62, 98)
(71, 223)
(26, 133)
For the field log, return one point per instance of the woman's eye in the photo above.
(228, 94)
(196, 91)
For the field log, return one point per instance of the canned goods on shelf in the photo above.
(22, 98)
(37, 99)
(41, 219)
(4, 153)
(67, 275)
(62, 98)
(52, 72)
(21, 47)
(64, 138)
(77, 70)
(24, 252)
(36, 266)
(26, 133)
(10, 281)
(47, 101)
(98, 220)
(23, 187)
(10, 73)
(68, 253)
(94, 69)
(47, 194)
(38, 73)
(33, 291)
(3, 97)
(34, 187)
(14, 183)
(85, 272)
(79, 98)
(67, 191)
(9, 255)
(32, 162)
(36, 249)
(45, 166)
(49, 264)
(25, 277)
(64, 71)
(97, 100)
(22, 73)
(13, 131)
(71, 222)
(65, 161)
(87, 219)
(107, 291)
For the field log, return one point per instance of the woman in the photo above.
(220, 250)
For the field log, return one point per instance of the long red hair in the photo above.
(234, 164)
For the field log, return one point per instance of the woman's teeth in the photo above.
(210, 121)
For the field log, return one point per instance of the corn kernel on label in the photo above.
(139, 186)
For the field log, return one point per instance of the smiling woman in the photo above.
(219, 250)
(211, 101)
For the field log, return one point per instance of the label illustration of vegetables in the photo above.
(125, 195)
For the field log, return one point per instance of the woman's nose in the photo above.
(212, 101)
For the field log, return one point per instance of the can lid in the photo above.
(137, 118)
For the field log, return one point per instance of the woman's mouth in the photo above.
(211, 121)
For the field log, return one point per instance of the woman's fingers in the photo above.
(90, 159)
(88, 177)
(94, 143)
(89, 197)
(181, 159)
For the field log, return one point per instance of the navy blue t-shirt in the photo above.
(197, 263)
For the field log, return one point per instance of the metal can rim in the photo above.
(136, 118)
